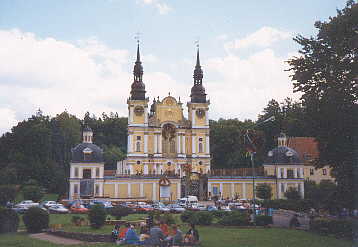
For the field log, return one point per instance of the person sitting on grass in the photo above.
(175, 238)
(156, 236)
(131, 236)
(192, 236)
(115, 233)
(123, 231)
(164, 227)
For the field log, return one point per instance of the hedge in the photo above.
(338, 228)
(36, 219)
(9, 220)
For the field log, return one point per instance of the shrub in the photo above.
(235, 219)
(295, 205)
(186, 215)
(264, 191)
(292, 194)
(204, 218)
(263, 220)
(7, 193)
(36, 219)
(220, 213)
(9, 220)
(32, 192)
(338, 228)
(167, 218)
(97, 216)
(120, 211)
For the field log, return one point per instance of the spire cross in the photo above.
(197, 43)
(137, 37)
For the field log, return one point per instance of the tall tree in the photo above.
(324, 72)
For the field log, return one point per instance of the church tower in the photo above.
(138, 113)
(198, 114)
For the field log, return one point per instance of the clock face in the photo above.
(200, 113)
(138, 110)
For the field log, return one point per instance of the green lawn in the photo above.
(211, 236)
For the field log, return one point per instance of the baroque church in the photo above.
(168, 155)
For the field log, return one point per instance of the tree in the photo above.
(111, 155)
(264, 191)
(32, 192)
(292, 194)
(36, 219)
(97, 216)
(120, 211)
(325, 74)
(7, 194)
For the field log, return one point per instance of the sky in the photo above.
(78, 55)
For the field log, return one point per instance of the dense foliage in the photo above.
(97, 216)
(235, 218)
(302, 205)
(326, 75)
(9, 220)
(7, 194)
(263, 220)
(32, 192)
(264, 191)
(120, 211)
(322, 195)
(292, 194)
(338, 228)
(36, 219)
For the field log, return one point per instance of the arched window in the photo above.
(137, 149)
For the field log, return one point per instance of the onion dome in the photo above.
(198, 94)
(282, 155)
(138, 87)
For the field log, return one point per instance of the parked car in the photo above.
(212, 208)
(175, 208)
(58, 209)
(48, 204)
(78, 209)
(186, 201)
(27, 203)
(105, 204)
(201, 207)
(161, 208)
(144, 208)
(20, 209)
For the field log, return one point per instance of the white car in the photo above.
(48, 204)
(27, 204)
(59, 209)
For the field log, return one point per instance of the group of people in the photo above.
(160, 234)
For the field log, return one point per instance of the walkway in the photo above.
(55, 239)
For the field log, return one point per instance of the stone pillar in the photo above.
(193, 117)
(160, 143)
(80, 172)
(295, 172)
(244, 191)
(221, 190)
(129, 190)
(141, 190)
(154, 192)
(302, 189)
(207, 117)
(129, 147)
(178, 143)
(207, 145)
(285, 172)
(145, 143)
(210, 189)
(284, 187)
(232, 190)
(131, 113)
(193, 144)
(155, 143)
(101, 189)
(184, 144)
(116, 192)
(279, 191)
(131, 172)
(146, 115)
(178, 190)
(72, 172)
(278, 170)
(71, 191)
(301, 172)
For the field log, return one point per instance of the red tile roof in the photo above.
(306, 147)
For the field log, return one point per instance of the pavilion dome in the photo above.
(282, 155)
(87, 153)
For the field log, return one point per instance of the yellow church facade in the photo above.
(164, 147)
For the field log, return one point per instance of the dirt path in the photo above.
(55, 239)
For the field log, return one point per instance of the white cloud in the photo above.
(264, 37)
(55, 75)
(7, 119)
(161, 6)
